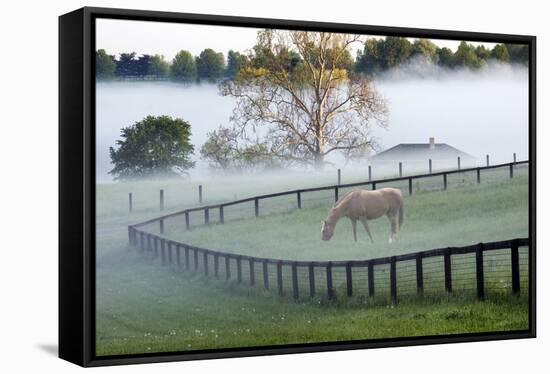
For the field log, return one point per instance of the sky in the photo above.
(167, 39)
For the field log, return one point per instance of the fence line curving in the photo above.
(480, 269)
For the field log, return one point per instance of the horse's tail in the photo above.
(401, 213)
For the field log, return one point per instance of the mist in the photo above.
(479, 112)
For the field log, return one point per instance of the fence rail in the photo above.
(316, 277)
(480, 268)
(336, 188)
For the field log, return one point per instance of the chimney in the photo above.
(432, 142)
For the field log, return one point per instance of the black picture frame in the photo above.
(77, 183)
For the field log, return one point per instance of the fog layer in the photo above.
(480, 113)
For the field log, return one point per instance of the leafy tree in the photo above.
(482, 53)
(158, 66)
(141, 65)
(154, 146)
(369, 60)
(425, 48)
(225, 150)
(183, 67)
(465, 55)
(125, 64)
(519, 53)
(394, 51)
(105, 65)
(314, 109)
(210, 65)
(235, 61)
(500, 53)
(445, 57)
(345, 61)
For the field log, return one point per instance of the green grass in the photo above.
(484, 213)
(143, 307)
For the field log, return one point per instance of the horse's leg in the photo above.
(393, 226)
(354, 227)
(364, 222)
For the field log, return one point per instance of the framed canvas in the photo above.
(236, 186)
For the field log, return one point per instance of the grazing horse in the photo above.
(364, 205)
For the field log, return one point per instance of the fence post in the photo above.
(480, 281)
(478, 173)
(335, 194)
(339, 176)
(330, 291)
(515, 157)
(370, 278)
(216, 266)
(142, 240)
(299, 199)
(156, 245)
(370, 173)
(161, 224)
(169, 245)
(162, 254)
(349, 280)
(295, 281)
(239, 270)
(178, 255)
(130, 206)
(227, 267)
(400, 169)
(280, 277)
(251, 271)
(448, 274)
(187, 225)
(373, 186)
(186, 248)
(410, 186)
(206, 216)
(393, 280)
(444, 181)
(196, 258)
(161, 200)
(200, 193)
(430, 165)
(458, 162)
(311, 272)
(487, 158)
(205, 262)
(515, 267)
(511, 170)
(266, 275)
(419, 275)
(256, 207)
(222, 219)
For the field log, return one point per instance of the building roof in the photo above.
(412, 151)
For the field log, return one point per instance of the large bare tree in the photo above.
(299, 96)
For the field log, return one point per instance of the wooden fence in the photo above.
(481, 268)
(374, 184)
(501, 266)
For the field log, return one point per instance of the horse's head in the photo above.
(326, 230)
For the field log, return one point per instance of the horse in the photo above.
(366, 205)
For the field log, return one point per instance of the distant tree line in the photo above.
(378, 55)
(209, 65)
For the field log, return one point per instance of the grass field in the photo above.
(489, 212)
(143, 307)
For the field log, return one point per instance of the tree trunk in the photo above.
(319, 161)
